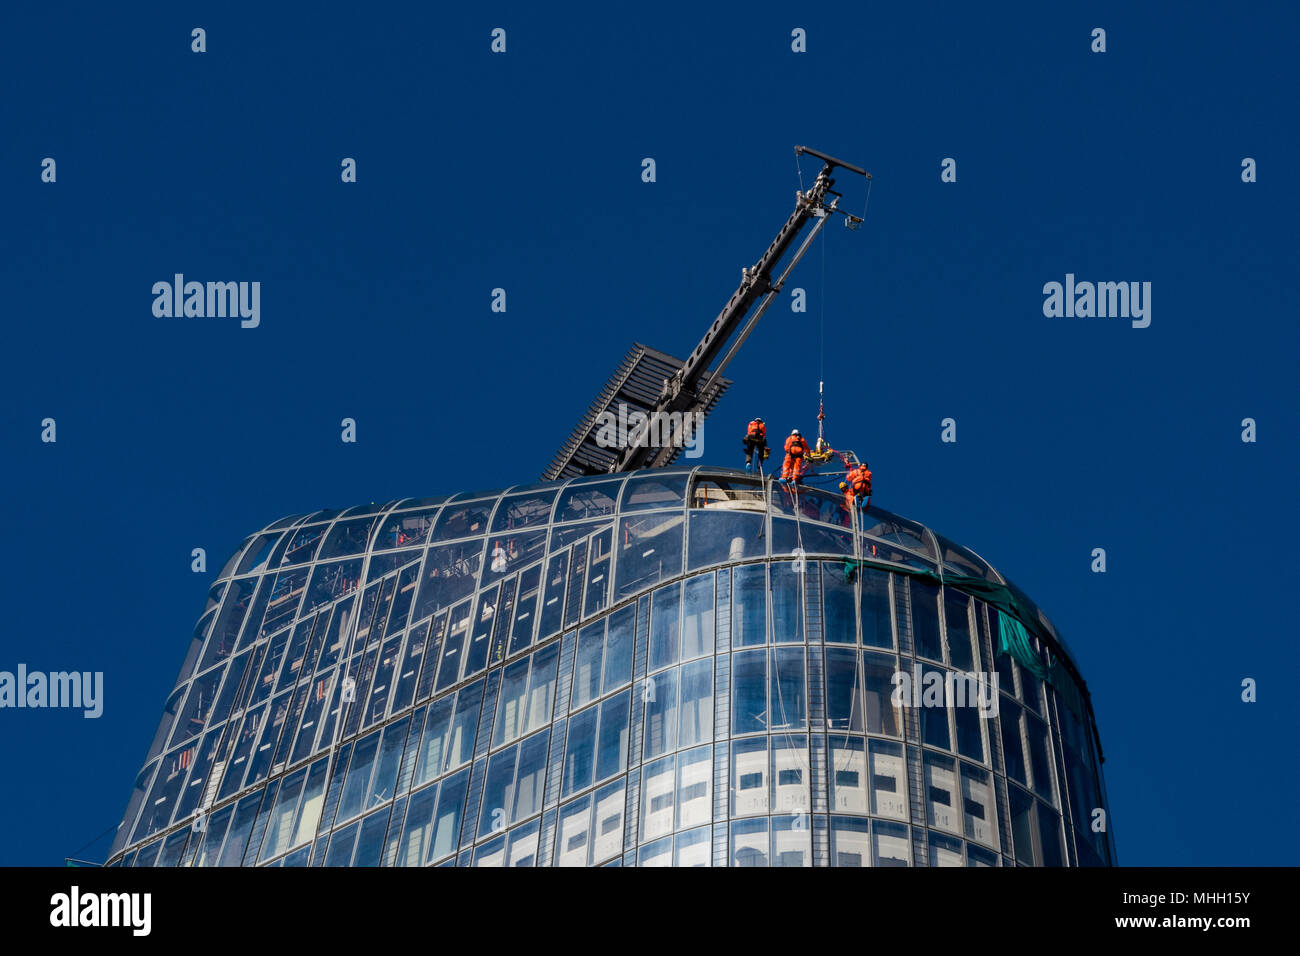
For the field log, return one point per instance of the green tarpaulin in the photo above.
(1015, 623)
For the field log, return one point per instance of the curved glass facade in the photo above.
(682, 666)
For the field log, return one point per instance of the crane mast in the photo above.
(697, 382)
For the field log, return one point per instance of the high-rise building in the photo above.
(675, 666)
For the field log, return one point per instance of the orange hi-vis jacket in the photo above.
(756, 430)
(796, 447)
(860, 481)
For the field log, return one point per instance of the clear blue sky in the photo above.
(522, 171)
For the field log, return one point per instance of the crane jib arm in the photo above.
(695, 386)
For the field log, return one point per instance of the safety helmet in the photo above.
(759, 420)
(795, 432)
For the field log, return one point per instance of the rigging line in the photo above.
(115, 826)
(822, 302)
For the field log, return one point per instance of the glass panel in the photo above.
(934, 710)
(665, 626)
(447, 819)
(462, 520)
(661, 714)
(694, 848)
(1049, 835)
(941, 793)
(258, 552)
(965, 561)
(787, 694)
(787, 602)
(1023, 834)
(728, 494)
(313, 802)
(850, 842)
(618, 648)
(694, 787)
(848, 774)
(843, 690)
(695, 717)
(523, 511)
(450, 573)
(956, 607)
(280, 827)
(221, 643)
(530, 776)
(749, 692)
(654, 490)
(598, 577)
(1012, 748)
(945, 851)
(357, 784)
(840, 617)
(891, 843)
(789, 535)
(749, 605)
(498, 792)
(790, 783)
(720, 537)
(412, 848)
(525, 619)
(508, 552)
(541, 688)
(791, 840)
(888, 779)
(749, 842)
(453, 647)
(573, 840)
(749, 777)
(370, 841)
(332, 581)
(302, 545)
(405, 529)
(1039, 762)
(890, 527)
(611, 749)
(877, 619)
(579, 751)
(697, 632)
(649, 550)
(979, 814)
(587, 664)
(510, 703)
(925, 619)
(580, 501)
(523, 845)
(968, 715)
(658, 798)
(347, 538)
(557, 570)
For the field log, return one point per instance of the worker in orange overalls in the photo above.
(857, 486)
(755, 443)
(794, 466)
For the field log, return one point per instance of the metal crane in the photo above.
(693, 386)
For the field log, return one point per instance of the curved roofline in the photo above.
(939, 545)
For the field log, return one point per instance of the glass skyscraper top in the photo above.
(680, 666)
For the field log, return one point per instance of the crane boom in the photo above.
(695, 386)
